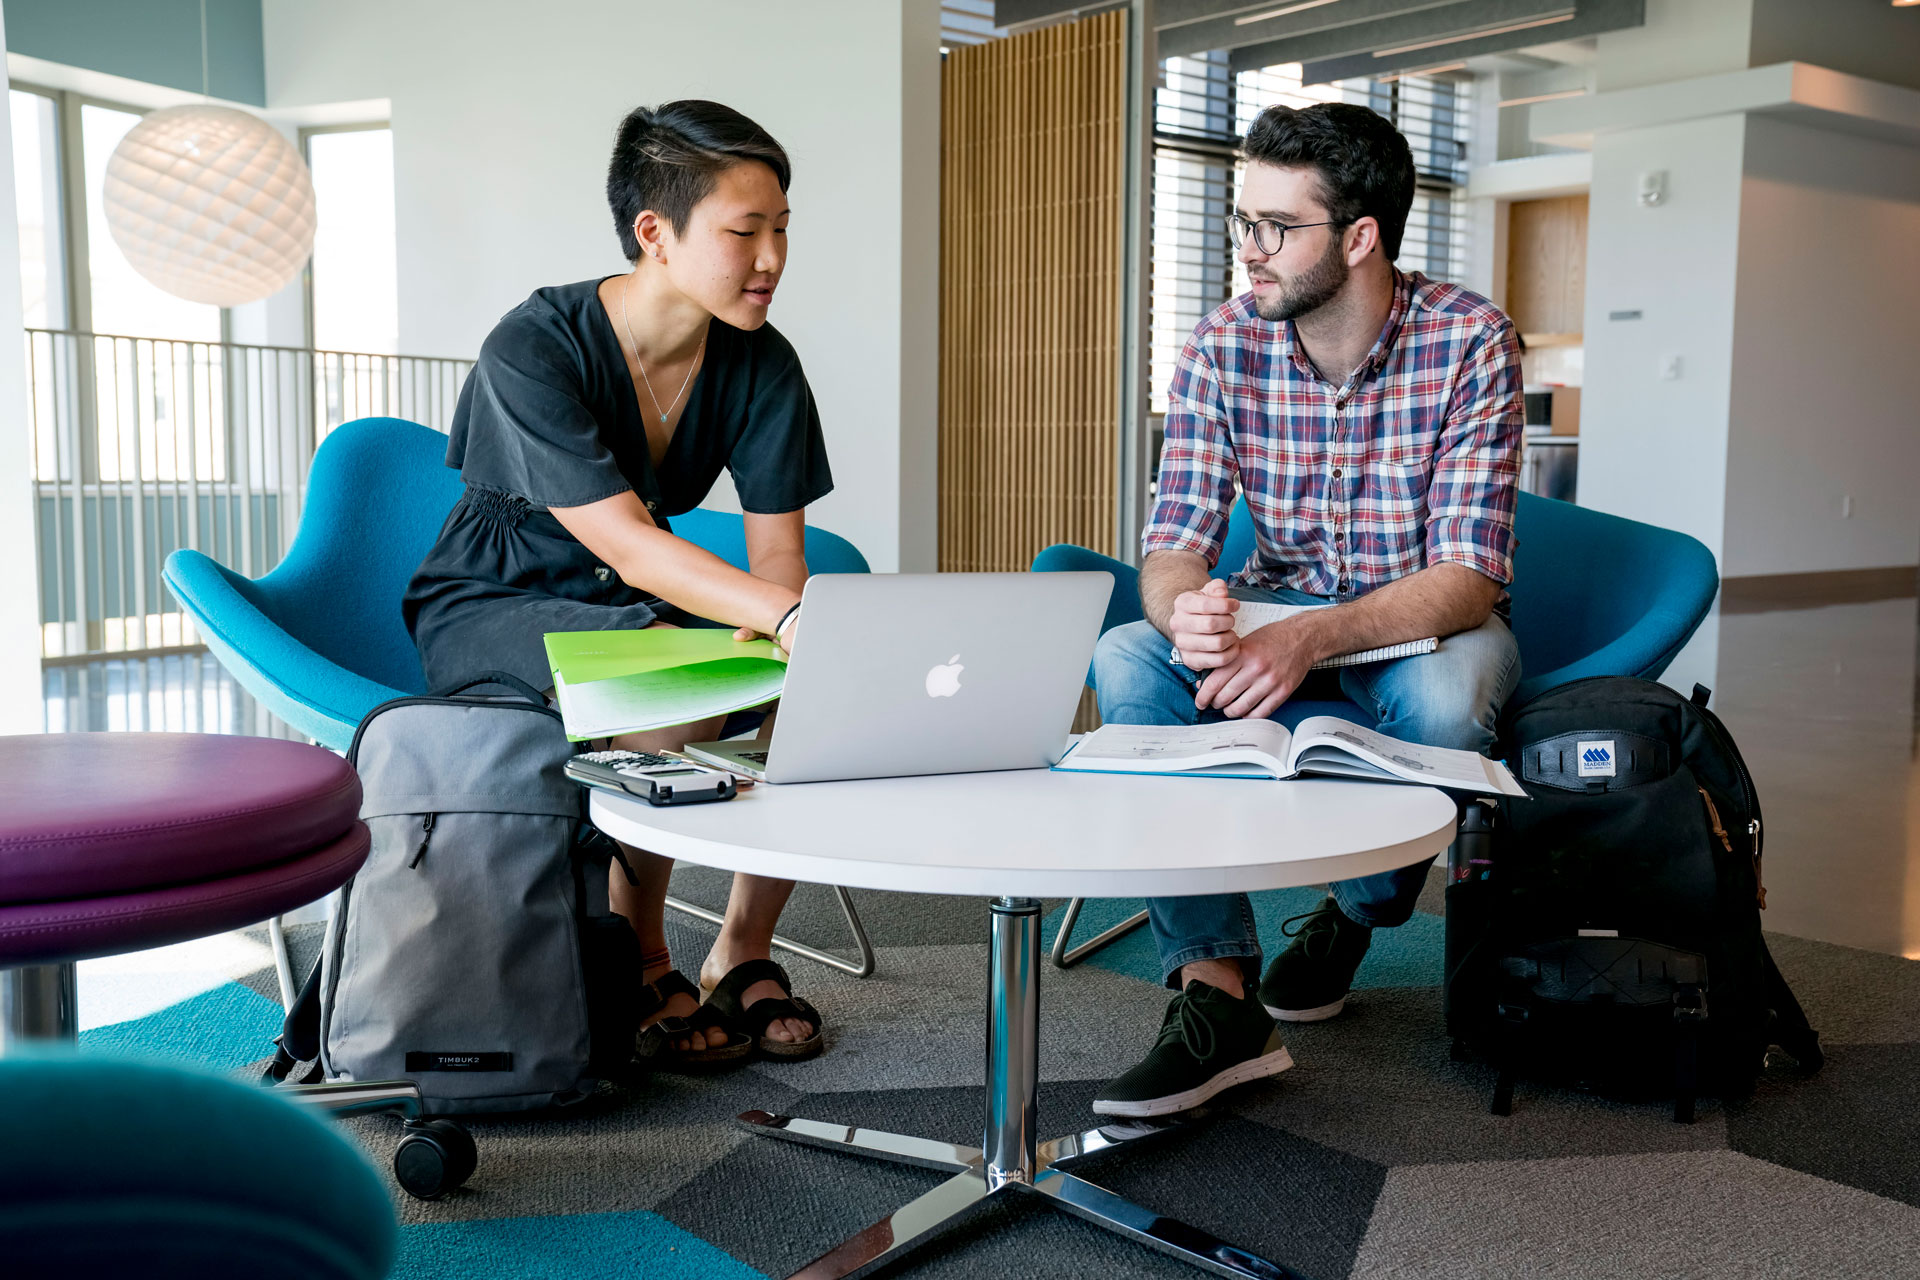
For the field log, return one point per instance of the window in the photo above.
(36, 177)
(1202, 111)
(967, 22)
(352, 290)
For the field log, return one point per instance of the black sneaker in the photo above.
(1208, 1042)
(1309, 981)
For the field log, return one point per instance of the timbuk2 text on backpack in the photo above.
(1607, 930)
(472, 953)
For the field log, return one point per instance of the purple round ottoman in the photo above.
(114, 842)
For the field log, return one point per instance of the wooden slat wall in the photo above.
(1032, 138)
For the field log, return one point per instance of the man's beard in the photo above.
(1310, 290)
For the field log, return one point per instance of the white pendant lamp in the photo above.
(210, 203)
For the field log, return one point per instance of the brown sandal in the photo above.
(653, 1044)
(753, 1019)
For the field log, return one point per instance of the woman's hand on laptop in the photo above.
(782, 635)
(1201, 626)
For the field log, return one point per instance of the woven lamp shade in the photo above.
(211, 204)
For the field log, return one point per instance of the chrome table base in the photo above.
(38, 1002)
(1010, 1159)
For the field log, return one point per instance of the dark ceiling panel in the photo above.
(1230, 30)
(1592, 18)
(1008, 13)
(1450, 22)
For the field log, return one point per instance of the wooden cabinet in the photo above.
(1547, 267)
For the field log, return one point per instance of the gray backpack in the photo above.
(462, 955)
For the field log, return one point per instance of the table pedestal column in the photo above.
(1010, 1159)
(38, 1002)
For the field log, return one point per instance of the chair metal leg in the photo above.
(282, 962)
(358, 1097)
(38, 1002)
(1065, 959)
(860, 968)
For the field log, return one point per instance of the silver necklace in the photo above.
(628, 325)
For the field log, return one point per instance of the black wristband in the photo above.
(785, 618)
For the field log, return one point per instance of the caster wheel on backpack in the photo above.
(434, 1157)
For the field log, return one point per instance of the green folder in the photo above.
(612, 682)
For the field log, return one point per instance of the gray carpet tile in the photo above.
(627, 1148)
(1702, 1215)
(1378, 1081)
(1851, 996)
(1857, 1122)
(920, 1022)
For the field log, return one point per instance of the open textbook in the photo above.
(625, 681)
(1255, 614)
(1265, 749)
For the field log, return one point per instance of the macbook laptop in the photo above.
(901, 674)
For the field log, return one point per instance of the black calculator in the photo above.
(657, 779)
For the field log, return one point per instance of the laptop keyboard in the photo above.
(751, 757)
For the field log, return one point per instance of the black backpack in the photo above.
(1607, 930)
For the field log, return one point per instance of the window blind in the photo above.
(1202, 112)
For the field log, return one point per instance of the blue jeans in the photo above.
(1449, 698)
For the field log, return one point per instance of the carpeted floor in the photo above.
(1374, 1157)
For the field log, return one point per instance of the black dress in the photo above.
(548, 418)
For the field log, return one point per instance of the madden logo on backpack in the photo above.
(474, 953)
(1607, 931)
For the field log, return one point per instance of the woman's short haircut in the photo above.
(668, 159)
(1365, 165)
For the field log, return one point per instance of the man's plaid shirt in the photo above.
(1413, 462)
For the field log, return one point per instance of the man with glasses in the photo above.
(1371, 418)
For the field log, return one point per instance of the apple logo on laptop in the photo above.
(944, 680)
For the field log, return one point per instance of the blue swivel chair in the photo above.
(117, 1167)
(320, 641)
(1593, 595)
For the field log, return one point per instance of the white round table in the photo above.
(1016, 837)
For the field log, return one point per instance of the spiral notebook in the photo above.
(1254, 614)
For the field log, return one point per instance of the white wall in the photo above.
(1826, 386)
(20, 691)
(1679, 40)
(503, 117)
(1655, 449)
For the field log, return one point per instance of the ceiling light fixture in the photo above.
(1474, 35)
(1315, 4)
(1435, 70)
(1543, 97)
(210, 203)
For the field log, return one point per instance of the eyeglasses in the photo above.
(1264, 230)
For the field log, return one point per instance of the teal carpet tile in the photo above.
(575, 1246)
(223, 1029)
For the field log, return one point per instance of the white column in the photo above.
(20, 690)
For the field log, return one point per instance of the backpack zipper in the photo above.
(426, 838)
(427, 700)
(1713, 816)
(1726, 842)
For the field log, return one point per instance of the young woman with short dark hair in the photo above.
(598, 411)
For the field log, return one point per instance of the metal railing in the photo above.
(142, 446)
